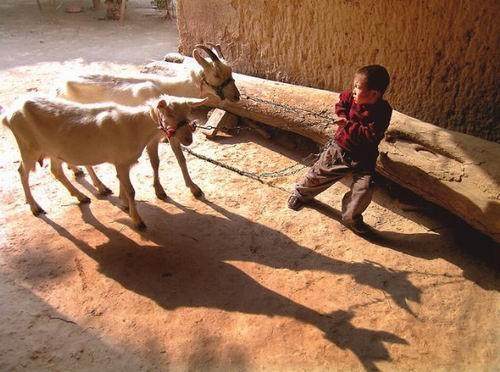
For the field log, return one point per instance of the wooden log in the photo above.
(456, 171)
(220, 119)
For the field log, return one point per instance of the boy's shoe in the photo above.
(295, 203)
(359, 227)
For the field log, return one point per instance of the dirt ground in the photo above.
(235, 280)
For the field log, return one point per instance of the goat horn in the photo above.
(201, 60)
(217, 48)
(195, 102)
(210, 53)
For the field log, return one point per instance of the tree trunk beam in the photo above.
(459, 172)
(220, 119)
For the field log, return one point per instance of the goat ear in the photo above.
(217, 48)
(209, 52)
(162, 105)
(195, 102)
(202, 61)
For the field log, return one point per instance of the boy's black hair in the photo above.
(377, 77)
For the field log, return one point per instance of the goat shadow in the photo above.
(182, 270)
(283, 254)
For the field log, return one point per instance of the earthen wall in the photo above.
(442, 55)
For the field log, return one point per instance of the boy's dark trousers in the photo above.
(334, 164)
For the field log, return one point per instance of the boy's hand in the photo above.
(340, 121)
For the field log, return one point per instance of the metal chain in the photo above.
(289, 108)
(285, 172)
(218, 163)
(236, 129)
(208, 127)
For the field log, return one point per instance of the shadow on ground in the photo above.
(190, 271)
(449, 237)
(474, 253)
(34, 345)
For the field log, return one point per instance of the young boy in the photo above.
(363, 119)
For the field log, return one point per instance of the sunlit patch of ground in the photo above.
(235, 280)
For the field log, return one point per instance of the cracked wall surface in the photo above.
(442, 55)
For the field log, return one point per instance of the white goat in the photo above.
(208, 79)
(92, 134)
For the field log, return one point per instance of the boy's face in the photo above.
(361, 94)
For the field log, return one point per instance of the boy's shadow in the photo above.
(185, 271)
(476, 254)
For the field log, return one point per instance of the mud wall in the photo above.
(442, 55)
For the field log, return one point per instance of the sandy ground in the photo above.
(233, 281)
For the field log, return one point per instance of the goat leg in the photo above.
(103, 190)
(123, 197)
(76, 171)
(57, 171)
(24, 172)
(126, 187)
(176, 148)
(152, 149)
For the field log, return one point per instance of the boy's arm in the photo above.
(372, 132)
(343, 105)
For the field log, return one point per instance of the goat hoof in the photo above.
(140, 226)
(38, 211)
(79, 173)
(196, 191)
(105, 192)
(84, 200)
(161, 194)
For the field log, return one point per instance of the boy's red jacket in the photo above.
(365, 126)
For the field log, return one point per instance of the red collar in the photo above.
(170, 131)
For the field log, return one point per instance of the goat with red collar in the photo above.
(90, 134)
